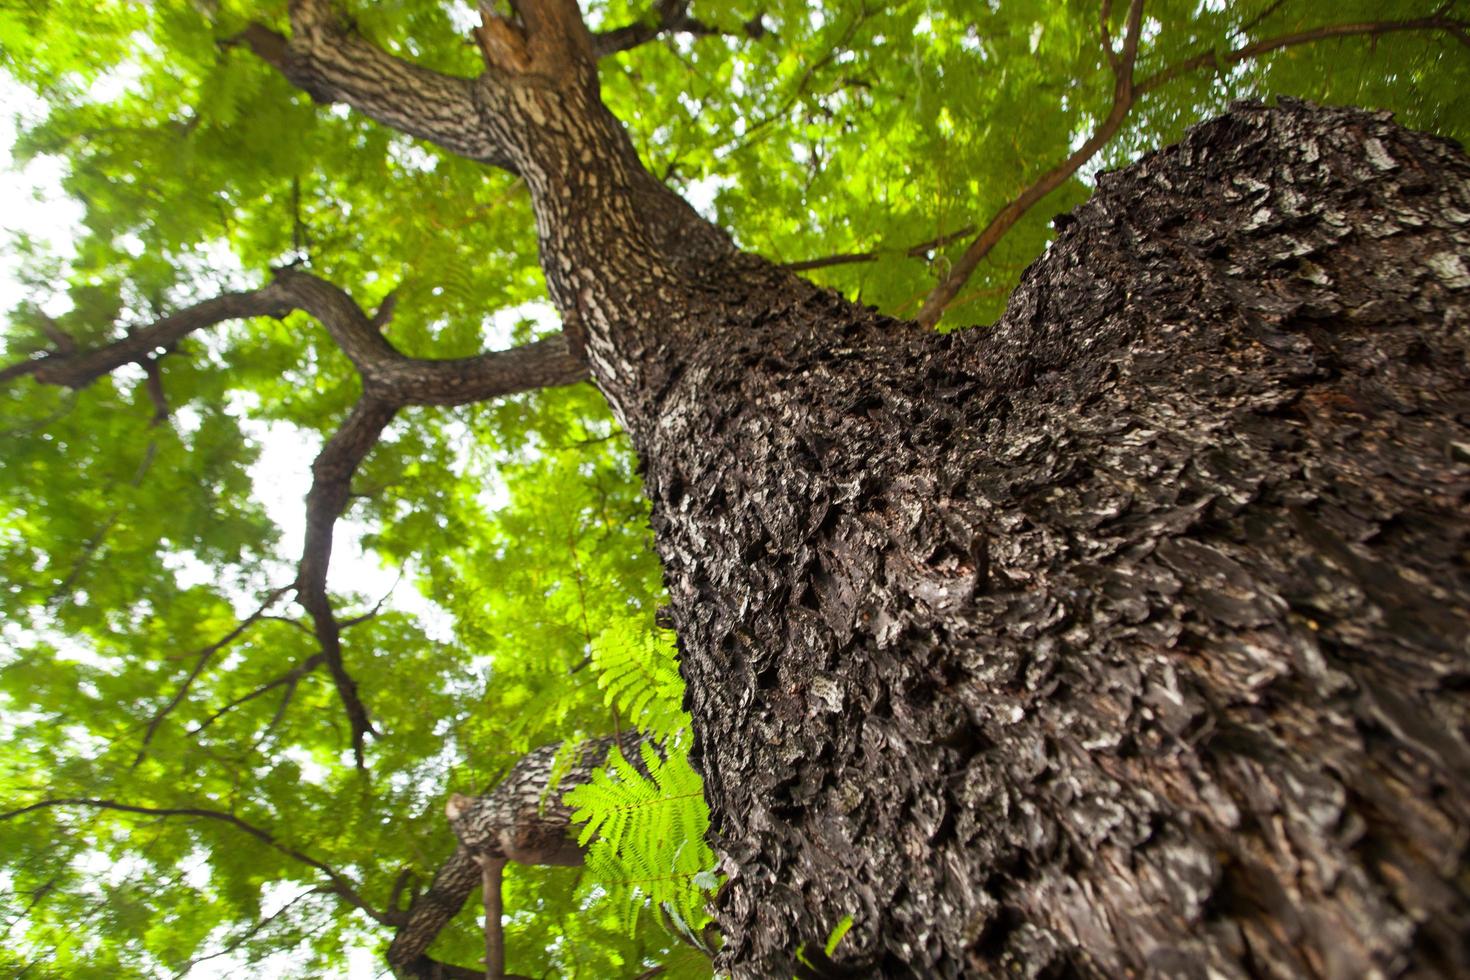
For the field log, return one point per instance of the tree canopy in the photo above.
(215, 750)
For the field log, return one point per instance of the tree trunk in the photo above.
(1126, 635)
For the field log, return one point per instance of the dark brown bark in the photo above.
(1126, 93)
(1126, 635)
(1102, 640)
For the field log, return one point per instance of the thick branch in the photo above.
(340, 885)
(330, 489)
(516, 809)
(326, 58)
(1125, 94)
(390, 377)
(77, 369)
(546, 363)
(432, 911)
(387, 375)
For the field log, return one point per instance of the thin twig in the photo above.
(203, 657)
(913, 251)
(290, 677)
(340, 884)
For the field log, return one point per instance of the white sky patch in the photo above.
(411, 156)
(462, 15)
(498, 327)
(282, 478)
(31, 199)
(701, 193)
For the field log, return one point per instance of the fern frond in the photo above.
(645, 834)
(638, 671)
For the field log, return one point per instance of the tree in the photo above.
(1125, 634)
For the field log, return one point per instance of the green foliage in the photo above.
(638, 671)
(645, 823)
(131, 553)
(841, 929)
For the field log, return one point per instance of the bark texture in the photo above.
(522, 819)
(1127, 635)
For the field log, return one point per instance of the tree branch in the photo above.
(330, 489)
(1459, 30)
(1123, 96)
(203, 657)
(340, 885)
(248, 934)
(395, 379)
(388, 375)
(849, 258)
(326, 58)
(291, 677)
(1126, 93)
(668, 16)
(77, 369)
(491, 871)
(390, 381)
(432, 911)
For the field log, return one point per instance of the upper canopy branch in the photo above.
(1457, 29)
(71, 368)
(330, 489)
(340, 885)
(918, 251)
(326, 58)
(1126, 92)
(390, 376)
(399, 380)
(390, 381)
(668, 16)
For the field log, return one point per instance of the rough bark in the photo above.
(1126, 635)
(521, 819)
